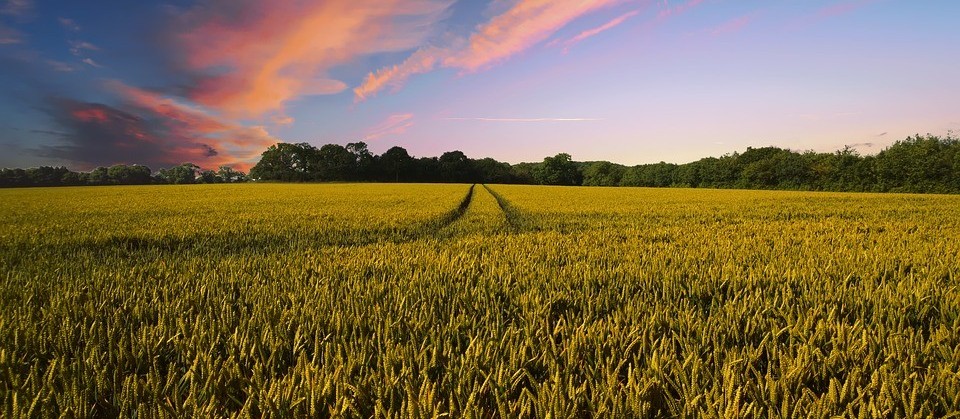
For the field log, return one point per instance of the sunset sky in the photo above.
(94, 83)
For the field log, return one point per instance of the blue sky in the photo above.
(215, 82)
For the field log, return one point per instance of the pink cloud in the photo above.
(256, 55)
(236, 144)
(667, 11)
(597, 30)
(841, 8)
(733, 25)
(16, 7)
(519, 28)
(525, 24)
(828, 12)
(394, 125)
(69, 24)
(420, 62)
(9, 36)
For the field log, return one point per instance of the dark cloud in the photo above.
(209, 151)
(95, 134)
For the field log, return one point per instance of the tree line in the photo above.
(916, 164)
(120, 174)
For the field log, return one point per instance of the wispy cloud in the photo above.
(523, 25)
(523, 119)
(16, 7)
(421, 61)
(60, 66)
(69, 24)
(253, 56)
(79, 48)
(567, 44)
(667, 11)
(834, 10)
(734, 25)
(841, 8)
(10, 36)
(394, 125)
(283, 120)
(526, 24)
(90, 62)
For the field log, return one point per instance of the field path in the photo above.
(479, 213)
(514, 217)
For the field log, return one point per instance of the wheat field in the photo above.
(395, 300)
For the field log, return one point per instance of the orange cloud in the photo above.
(525, 24)
(257, 55)
(597, 30)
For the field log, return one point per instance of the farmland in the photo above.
(383, 300)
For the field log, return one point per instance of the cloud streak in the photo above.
(733, 25)
(667, 11)
(394, 125)
(69, 24)
(16, 7)
(9, 36)
(523, 119)
(597, 30)
(522, 26)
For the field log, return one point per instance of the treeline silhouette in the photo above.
(927, 164)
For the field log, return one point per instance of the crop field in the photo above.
(393, 300)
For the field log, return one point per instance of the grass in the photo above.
(429, 300)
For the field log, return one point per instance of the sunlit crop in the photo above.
(365, 300)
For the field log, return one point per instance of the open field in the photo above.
(366, 300)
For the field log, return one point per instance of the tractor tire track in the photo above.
(456, 213)
(516, 220)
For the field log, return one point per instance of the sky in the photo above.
(215, 82)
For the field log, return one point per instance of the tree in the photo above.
(365, 160)
(489, 170)
(394, 162)
(99, 176)
(287, 162)
(183, 174)
(602, 173)
(229, 175)
(208, 176)
(456, 167)
(335, 163)
(122, 174)
(558, 170)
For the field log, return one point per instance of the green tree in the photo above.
(230, 175)
(558, 170)
(335, 163)
(602, 173)
(394, 163)
(287, 162)
(455, 167)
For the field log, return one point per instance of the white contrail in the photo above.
(524, 119)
